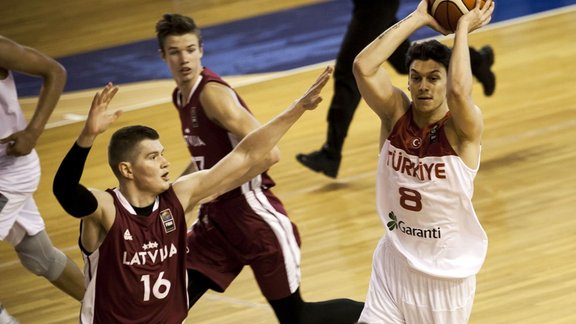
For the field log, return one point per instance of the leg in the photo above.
(481, 62)
(451, 302)
(384, 289)
(278, 275)
(210, 263)
(288, 309)
(293, 310)
(39, 256)
(6, 318)
(71, 281)
(369, 19)
(34, 248)
(198, 284)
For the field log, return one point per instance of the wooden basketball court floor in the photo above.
(524, 193)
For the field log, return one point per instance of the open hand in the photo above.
(99, 118)
(312, 98)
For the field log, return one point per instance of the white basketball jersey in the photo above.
(424, 193)
(16, 173)
(11, 116)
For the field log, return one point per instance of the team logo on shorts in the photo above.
(167, 220)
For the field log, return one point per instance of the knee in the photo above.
(39, 256)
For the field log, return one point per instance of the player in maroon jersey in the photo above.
(134, 236)
(247, 226)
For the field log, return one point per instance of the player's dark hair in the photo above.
(123, 142)
(176, 25)
(429, 50)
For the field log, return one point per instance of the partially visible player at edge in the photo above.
(21, 224)
(424, 268)
(134, 236)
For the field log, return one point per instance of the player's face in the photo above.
(150, 168)
(182, 53)
(427, 85)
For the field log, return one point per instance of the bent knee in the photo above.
(39, 256)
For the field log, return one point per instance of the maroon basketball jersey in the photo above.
(138, 274)
(208, 142)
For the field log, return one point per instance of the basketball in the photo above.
(447, 12)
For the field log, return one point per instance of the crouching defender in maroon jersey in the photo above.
(247, 226)
(134, 236)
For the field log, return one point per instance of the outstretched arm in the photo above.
(239, 165)
(16, 57)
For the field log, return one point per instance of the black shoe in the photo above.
(320, 161)
(483, 73)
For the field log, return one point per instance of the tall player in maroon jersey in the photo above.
(247, 225)
(134, 236)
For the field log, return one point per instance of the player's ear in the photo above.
(125, 169)
(162, 54)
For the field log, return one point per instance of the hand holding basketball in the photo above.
(448, 12)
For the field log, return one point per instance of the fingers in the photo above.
(488, 10)
(103, 98)
(109, 92)
(323, 78)
(6, 139)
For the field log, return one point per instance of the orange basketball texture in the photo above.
(447, 12)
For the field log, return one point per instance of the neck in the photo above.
(426, 118)
(137, 198)
(186, 88)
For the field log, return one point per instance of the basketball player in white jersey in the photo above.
(424, 268)
(21, 224)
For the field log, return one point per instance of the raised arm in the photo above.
(76, 199)
(466, 115)
(16, 57)
(371, 76)
(239, 165)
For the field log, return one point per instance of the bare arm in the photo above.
(96, 207)
(466, 115)
(223, 108)
(16, 57)
(191, 168)
(238, 166)
(373, 81)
